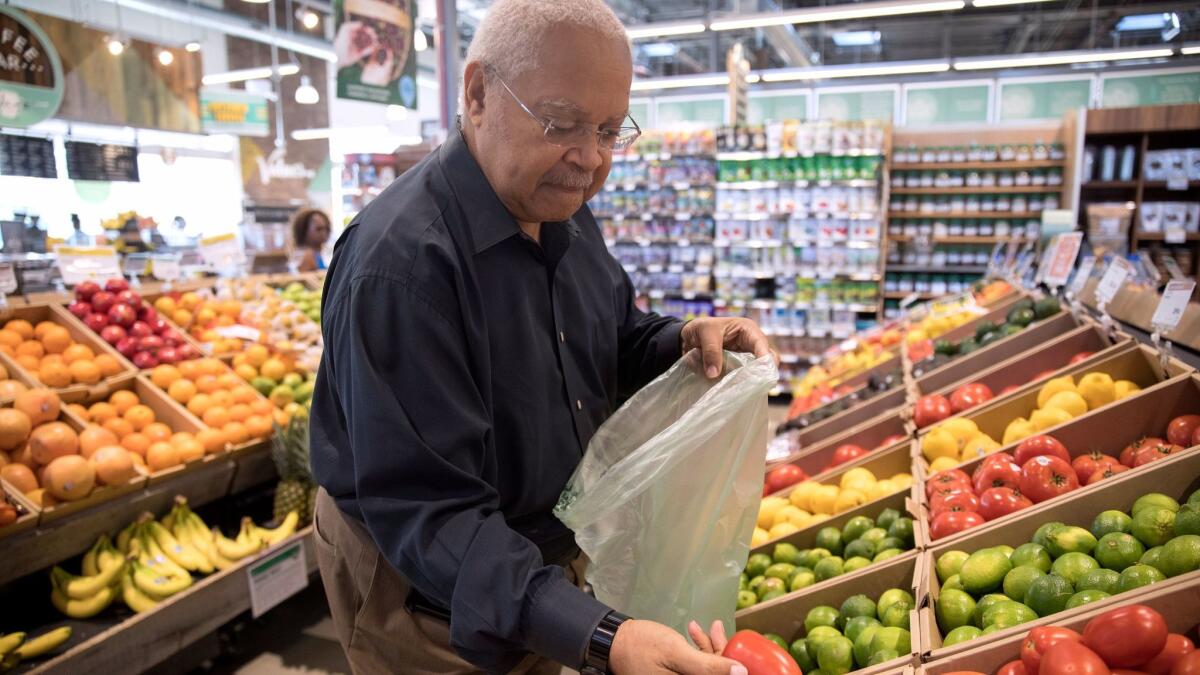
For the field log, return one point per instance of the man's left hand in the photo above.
(713, 335)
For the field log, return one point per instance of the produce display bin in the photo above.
(848, 418)
(183, 334)
(185, 416)
(1176, 599)
(27, 512)
(785, 615)
(1176, 477)
(867, 435)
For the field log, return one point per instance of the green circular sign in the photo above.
(31, 83)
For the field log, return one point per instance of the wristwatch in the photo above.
(599, 647)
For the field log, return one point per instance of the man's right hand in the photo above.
(652, 648)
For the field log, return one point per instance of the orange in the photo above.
(80, 412)
(57, 339)
(216, 417)
(245, 394)
(282, 418)
(229, 381)
(222, 398)
(225, 322)
(189, 300)
(119, 426)
(182, 390)
(102, 412)
(181, 436)
(166, 305)
(42, 327)
(198, 404)
(189, 450)
(161, 456)
(261, 407)
(211, 366)
(14, 428)
(163, 376)
(123, 400)
(220, 347)
(245, 371)
(54, 375)
(274, 369)
(29, 362)
(213, 440)
(207, 384)
(93, 438)
(140, 416)
(238, 412)
(231, 308)
(182, 318)
(52, 358)
(136, 442)
(8, 349)
(84, 372)
(157, 431)
(108, 365)
(256, 355)
(205, 316)
(31, 348)
(20, 327)
(78, 352)
(240, 360)
(259, 426)
(236, 433)
(10, 337)
(190, 370)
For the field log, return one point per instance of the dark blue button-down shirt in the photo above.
(465, 369)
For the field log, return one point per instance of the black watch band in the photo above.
(599, 647)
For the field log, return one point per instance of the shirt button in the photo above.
(562, 337)
(578, 404)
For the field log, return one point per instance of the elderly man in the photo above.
(477, 332)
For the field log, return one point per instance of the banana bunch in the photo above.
(14, 648)
(85, 596)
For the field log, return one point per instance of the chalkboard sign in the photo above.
(95, 161)
(27, 156)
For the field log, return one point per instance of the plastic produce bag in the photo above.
(665, 499)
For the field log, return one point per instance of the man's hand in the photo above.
(712, 335)
(652, 648)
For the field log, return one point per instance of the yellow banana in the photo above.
(285, 529)
(10, 642)
(89, 565)
(125, 536)
(83, 588)
(43, 643)
(153, 556)
(108, 555)
(84, 608)
(247, 543)
(133, 597)
(157, 585)
(184, 555)
(193, 530)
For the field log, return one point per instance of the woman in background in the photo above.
(310, 231)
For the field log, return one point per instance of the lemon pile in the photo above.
(933, 326)
(953, 441)
(1062, 400)
(811, 502)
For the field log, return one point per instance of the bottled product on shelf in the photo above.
(974, 152)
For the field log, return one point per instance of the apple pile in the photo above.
(131, 326)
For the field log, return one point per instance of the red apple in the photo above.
(158, 325)
(171, 335)
(150, 343)
(140, 329)
(168, 354)
(109, 333)
(85, 290)
(130, 298)
(80, 309)
(116, 285)
(187, 352)
(122, 315)
(102, 301)
(147, 313)
(127, 346)
(144, 360)
(96, 321)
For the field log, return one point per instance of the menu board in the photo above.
(95, 161)
(27, 156)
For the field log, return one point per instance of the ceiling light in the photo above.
(836, 13)
(1057, 58)
(192, 47)
(659, 49)
(257, 2)
(854, 70)
(1136, 22)
(856, 38)
(664, 29)
(997, 3)
(306, 93)
(420, 42)
(397, 113)
(310, 19)
(1190, 50)
(165, 57)
(680, 82)
(248, 74)
(115, 46)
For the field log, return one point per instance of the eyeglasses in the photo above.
(616, 140)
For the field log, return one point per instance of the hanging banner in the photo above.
(31, 75)
(376, 60)
(234, 112)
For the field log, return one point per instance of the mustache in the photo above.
(573, 180)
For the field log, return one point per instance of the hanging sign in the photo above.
(373, 42)
(1171, 306)
(1082, 274)
(222, 251)
(83, 263)
(1062, 253)
(31, 74)
(234, 112)
(1114, 277)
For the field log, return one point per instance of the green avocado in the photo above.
(945, 347)
(1021, 316)
(983, 329)
(1045, 307)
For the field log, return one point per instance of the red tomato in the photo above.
(959, 500)
(1081, 356)
(1131, 449)
(1001, 472)
(1188, 665)
(1071, 658)
(1043, 375)
(1177, 647)
(894, 438)
(766, 489)
(1127, 637)
(1009, 388)
(1181, 429)
(999, 502)
(785, 476)
(952, 522)
(846, 453)
(1108, 471)
(1152, 453)
(1196, 436)
(946, 479)
(970, 395)
(1085, 466)
(931, 410)
(1013, 668)
(759, 655)
(1040, 445)
(1039, 640)
(1044, 477)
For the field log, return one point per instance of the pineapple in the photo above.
(296, 488)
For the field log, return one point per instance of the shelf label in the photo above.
(1114, 277)
(1174, 301)
(276, 577)
(1177, 181)
(165, 268)
(222, 251)
(1082, 274)
(1173, 267)
(1062, 254)
(1174, 234)
(84, 263)
(8, 278)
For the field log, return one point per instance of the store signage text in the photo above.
(275, 166)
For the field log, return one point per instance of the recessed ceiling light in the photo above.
(115, 46)
(310, 19)
(192, 46)
(856, 38)
(306, 93)
(165, 57)
(420, 42)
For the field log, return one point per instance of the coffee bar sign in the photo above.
(31, 74)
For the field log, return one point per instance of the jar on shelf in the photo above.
(1041, 151)
(913, 179)
(987, 179)
(1054, 177)
(974, 179)
(912, 203)
(1003, 203)
(928, 155)
(925, 205)
(951, 255)
(1058, 151)
(958, 202)
(959, 153)
(1036, 202)
(898, 179)
(927, 179)
(1023, 152)
(1006, 179)
(954, 228)
(1001, 228)
(971, 203)
(1050, 202)
(1037, 177)
(987, 203)
(988, 154)
(980, 228)
(1019, 203)
(1022, 178)
(944, 154)
(974, 152)
(1008, 152)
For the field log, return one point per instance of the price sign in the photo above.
(1082, 274)
(84, 263)
(165, 268)
(909, 299)
(276, 577)
(239, 332)
(1114, 277)
(8, 278)
(1174, 234)
(1170, 309)
(1062, 253)
(222, 251)
(1172, 267)
(1150, 268)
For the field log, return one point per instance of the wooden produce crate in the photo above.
(1108, 430)
(869, 435)
(74, 393)
(1176, 599)
(183, 334)
(27, 512)
(785, 615)
(850, 417)
(1177, 477)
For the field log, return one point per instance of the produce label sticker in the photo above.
(1063, 253)
(83, 263)
(1082, 275)
(8, 278)
(276, 577)
(1172, 305)
(222, 251)
(1113, 278)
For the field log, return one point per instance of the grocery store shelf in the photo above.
(1109, 184)
(626, 186)
(1162, 184)
(671, 269)
(658, 241)
(1027, 164)
(746, 156)
(679, 295)
(804, 273)
(657, 157)
(961, 239)
(900, 295)
(1035, 189)
(773, 184)
(925, 215)
(825, 215)
(651, 215)
(1159, 236)
(947, 269)
(772, 304)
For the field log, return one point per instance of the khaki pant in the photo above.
(366, 598)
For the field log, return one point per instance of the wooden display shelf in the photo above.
(931, 269)
(961, 239)
(989, 190)
(900, 295)
(1000, 166)
(998, 215)
(1159, 236)
(1110, 184)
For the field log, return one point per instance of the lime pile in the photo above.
(1066, 566)
(861, 542)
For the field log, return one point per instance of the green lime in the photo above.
(786, 553)
(1039, 537)
(821, 615)
(1071, 566)
(948, 564)
(890, 637)
(819, 633)
(1017, 581)
(1032, 555)
(772, 594)
(1194, 499)
(960, 634)
(812, 556)
(860, 549)
(855, 563)
(757, 564)
(1084, 597)
(1111, 521)
(1153, 558)
(887, 517)
(799, 652)
(1137, 576)
(1007, 614)
(1181, 555)
(756, 584)
(771, 585)
(983, 571)
(855, 605)
(883, 656)
(875, 535)
(892, 542)
(902, 529)
(953, 582)
(1187, 520)
(1069, 539)
(777, 639)
(854, 528)
(954, 608)
(1154, 525)
(1154, 499)
(743, 582)
(1118, 550)
(830, 539)
(1099, 580)
(746, 599)
(856, 626)
(836, 655)
(1004, 548)
(894, 596)
(828, 568)
(896, 616)
(803, 578)
(983, 604)
(781, 571)
(862, 644)
(1049, 594)
(886, 553)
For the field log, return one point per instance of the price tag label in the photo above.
(222, 251)
(1175, 234)
(1171, 306)
(909, 299)
(994, 259)
(1150, 268)
(166, 268)
(8, 278)
(276, 577)
(239, 332)
(1114, 277)
(84, 263)
(1062, 254)
(1083, 274)
(1177, 181)
(1172, 267)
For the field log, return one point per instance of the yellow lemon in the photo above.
(1018, 429)
(759, 537)
(801, 496)
(857, 478)
(1054, 386)
(785, 514)
(799, 518)
(902, 480)
(1070, 401)
(1048, 417)
(939, 443)
(961, 428)
(1097, 389)
(824, 498)
(782, 530)
(942, 463)
(1123, 388)
(979, 446)
(767, 510)
(882, 488)
(848, 499)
